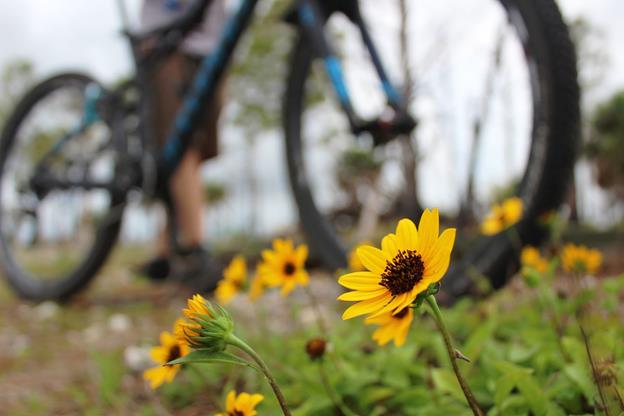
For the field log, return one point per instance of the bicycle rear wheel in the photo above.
(55, 235)
(502, 73)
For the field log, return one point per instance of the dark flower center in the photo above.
(236, 413)
(401, 314)
(289, 269)
(174, 353)
(403, 273)
(502, 219)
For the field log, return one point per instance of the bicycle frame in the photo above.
(311, 20)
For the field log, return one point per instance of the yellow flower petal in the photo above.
(392, 305)
(365, 281)
(427, 232)
(407, 235)
(366, 306)
(390, 246)
(372, 258)
(360, 295)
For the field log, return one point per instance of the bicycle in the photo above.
(107, 153)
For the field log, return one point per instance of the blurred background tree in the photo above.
(17, 76)
(606, 145)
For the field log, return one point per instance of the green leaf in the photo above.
(504, 386)
(474, 345)
(445, 380)
(207, 356)
(533, 393)
(581, 377)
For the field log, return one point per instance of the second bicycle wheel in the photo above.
(59, 213)
(493, 87)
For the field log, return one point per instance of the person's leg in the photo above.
(186, 191)
(166, 91)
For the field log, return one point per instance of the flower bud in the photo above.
(315, 348)
(208, 326)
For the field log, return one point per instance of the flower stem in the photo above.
(334, 397)
(239, 343)
(592, 364)
(472, 402)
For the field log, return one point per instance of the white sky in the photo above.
(80, 34)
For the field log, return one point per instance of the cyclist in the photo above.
(192, 264)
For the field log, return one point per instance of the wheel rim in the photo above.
(47, 236)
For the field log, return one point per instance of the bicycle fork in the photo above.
(311, 19)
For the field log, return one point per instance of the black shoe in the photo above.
(197, 269)
(156, 269)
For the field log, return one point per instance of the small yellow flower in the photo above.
(234, 278)
(256, 289)
(392, 327)
(284, 266)
(531, 258)
(502, 216)
(242, 405)
(170, 349)
(408, 262)
(580, 259)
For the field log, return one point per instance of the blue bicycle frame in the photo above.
(310, 18)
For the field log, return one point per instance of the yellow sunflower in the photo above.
(392, 327)
(170, 349)
(242, 405)
(531, 258)
(407, 264)
(580, 259)
(234, 278)
(502, 216)
(284, 266)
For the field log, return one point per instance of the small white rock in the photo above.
(119, 322)
(137, 358)
(46, 310)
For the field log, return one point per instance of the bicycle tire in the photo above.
(550, 167)
(63, 287)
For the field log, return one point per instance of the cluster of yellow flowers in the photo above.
(283, 266)
(386, 284)
(580, 259)
(574, 259)
(179, 344)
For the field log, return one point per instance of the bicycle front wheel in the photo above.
(493, 85)
(59, 215)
